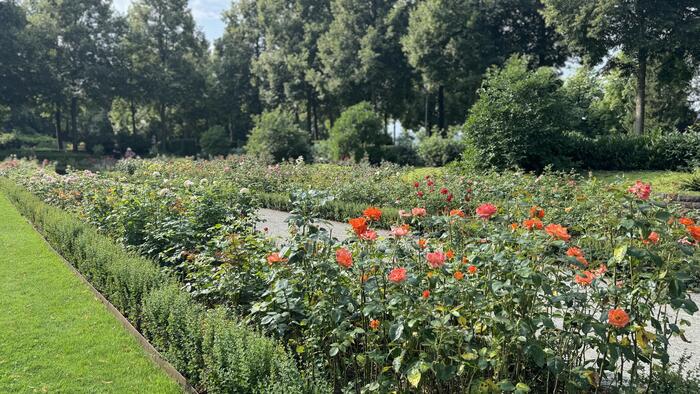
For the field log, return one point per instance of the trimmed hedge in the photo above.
(216, 352)
(673, 151)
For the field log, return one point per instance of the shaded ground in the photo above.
(55, 336)
(276, 226)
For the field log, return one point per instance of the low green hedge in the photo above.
(216, 352)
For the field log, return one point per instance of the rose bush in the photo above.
(516, 283)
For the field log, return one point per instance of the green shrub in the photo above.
(172, 322)
(436, 150)
(215, 141)
(358, 133)
(276, 137)
(519, 118)
(239, 360)
(215, 353)
(9, 141)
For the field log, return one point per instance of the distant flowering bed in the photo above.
(497, 283)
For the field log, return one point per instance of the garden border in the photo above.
(151, 351)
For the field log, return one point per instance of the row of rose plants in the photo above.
(515, 283)
(489, 299)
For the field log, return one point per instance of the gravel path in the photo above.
(275, 223)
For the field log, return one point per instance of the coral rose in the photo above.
(686, 221)
(399, 232)
(485, 211)
(369, 235)
(558, 231)
(418, 212)
(458, 275)
(641, 190)
(397, 275)
(374, 324)
(435, 259)
(653, 238)
(426, 293)
(533, 224)
(694, 232)
(618, 318)
(343, 257)
(472, 269)
(536, 212)
(457, 212)
(275, 258)
(586, 279)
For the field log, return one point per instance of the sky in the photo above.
(207, 14)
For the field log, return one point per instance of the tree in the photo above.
(362, 56)
(452, 42)
(169, 51)
(80, 52)
(647, 30)
(235, 98)
(16, 56)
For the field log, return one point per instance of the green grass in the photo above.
(661, 181)
(55, 336)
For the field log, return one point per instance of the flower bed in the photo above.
(513, 283)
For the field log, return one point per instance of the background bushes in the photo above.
(276, 137)
(213, 350)
(526, 118)
(518, 118)
(358, 133)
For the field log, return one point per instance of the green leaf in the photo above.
(395, 331)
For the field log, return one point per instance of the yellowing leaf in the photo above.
(414, 376)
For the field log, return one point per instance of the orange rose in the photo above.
(275, 258)
(374, 324)
(558, 231)
(359, 225)
(618, 318)
(533, 223)
(372, 213)
(694, 232)
(536, 212)
(686, 221)
(459, 275)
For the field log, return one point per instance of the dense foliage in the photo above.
(276, 137)
(358, 134)
(215, 351)
(563, 276)
(78, 72)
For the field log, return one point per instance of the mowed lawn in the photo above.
(55, 336)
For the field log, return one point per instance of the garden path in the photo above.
(276, 225)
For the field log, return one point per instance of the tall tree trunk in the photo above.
(133, 117)
(160, 139)
(57, 118)
(640, 107)
(315, 111)
(309, 124)
(428, 115)
(441, 110)
(74, 122)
